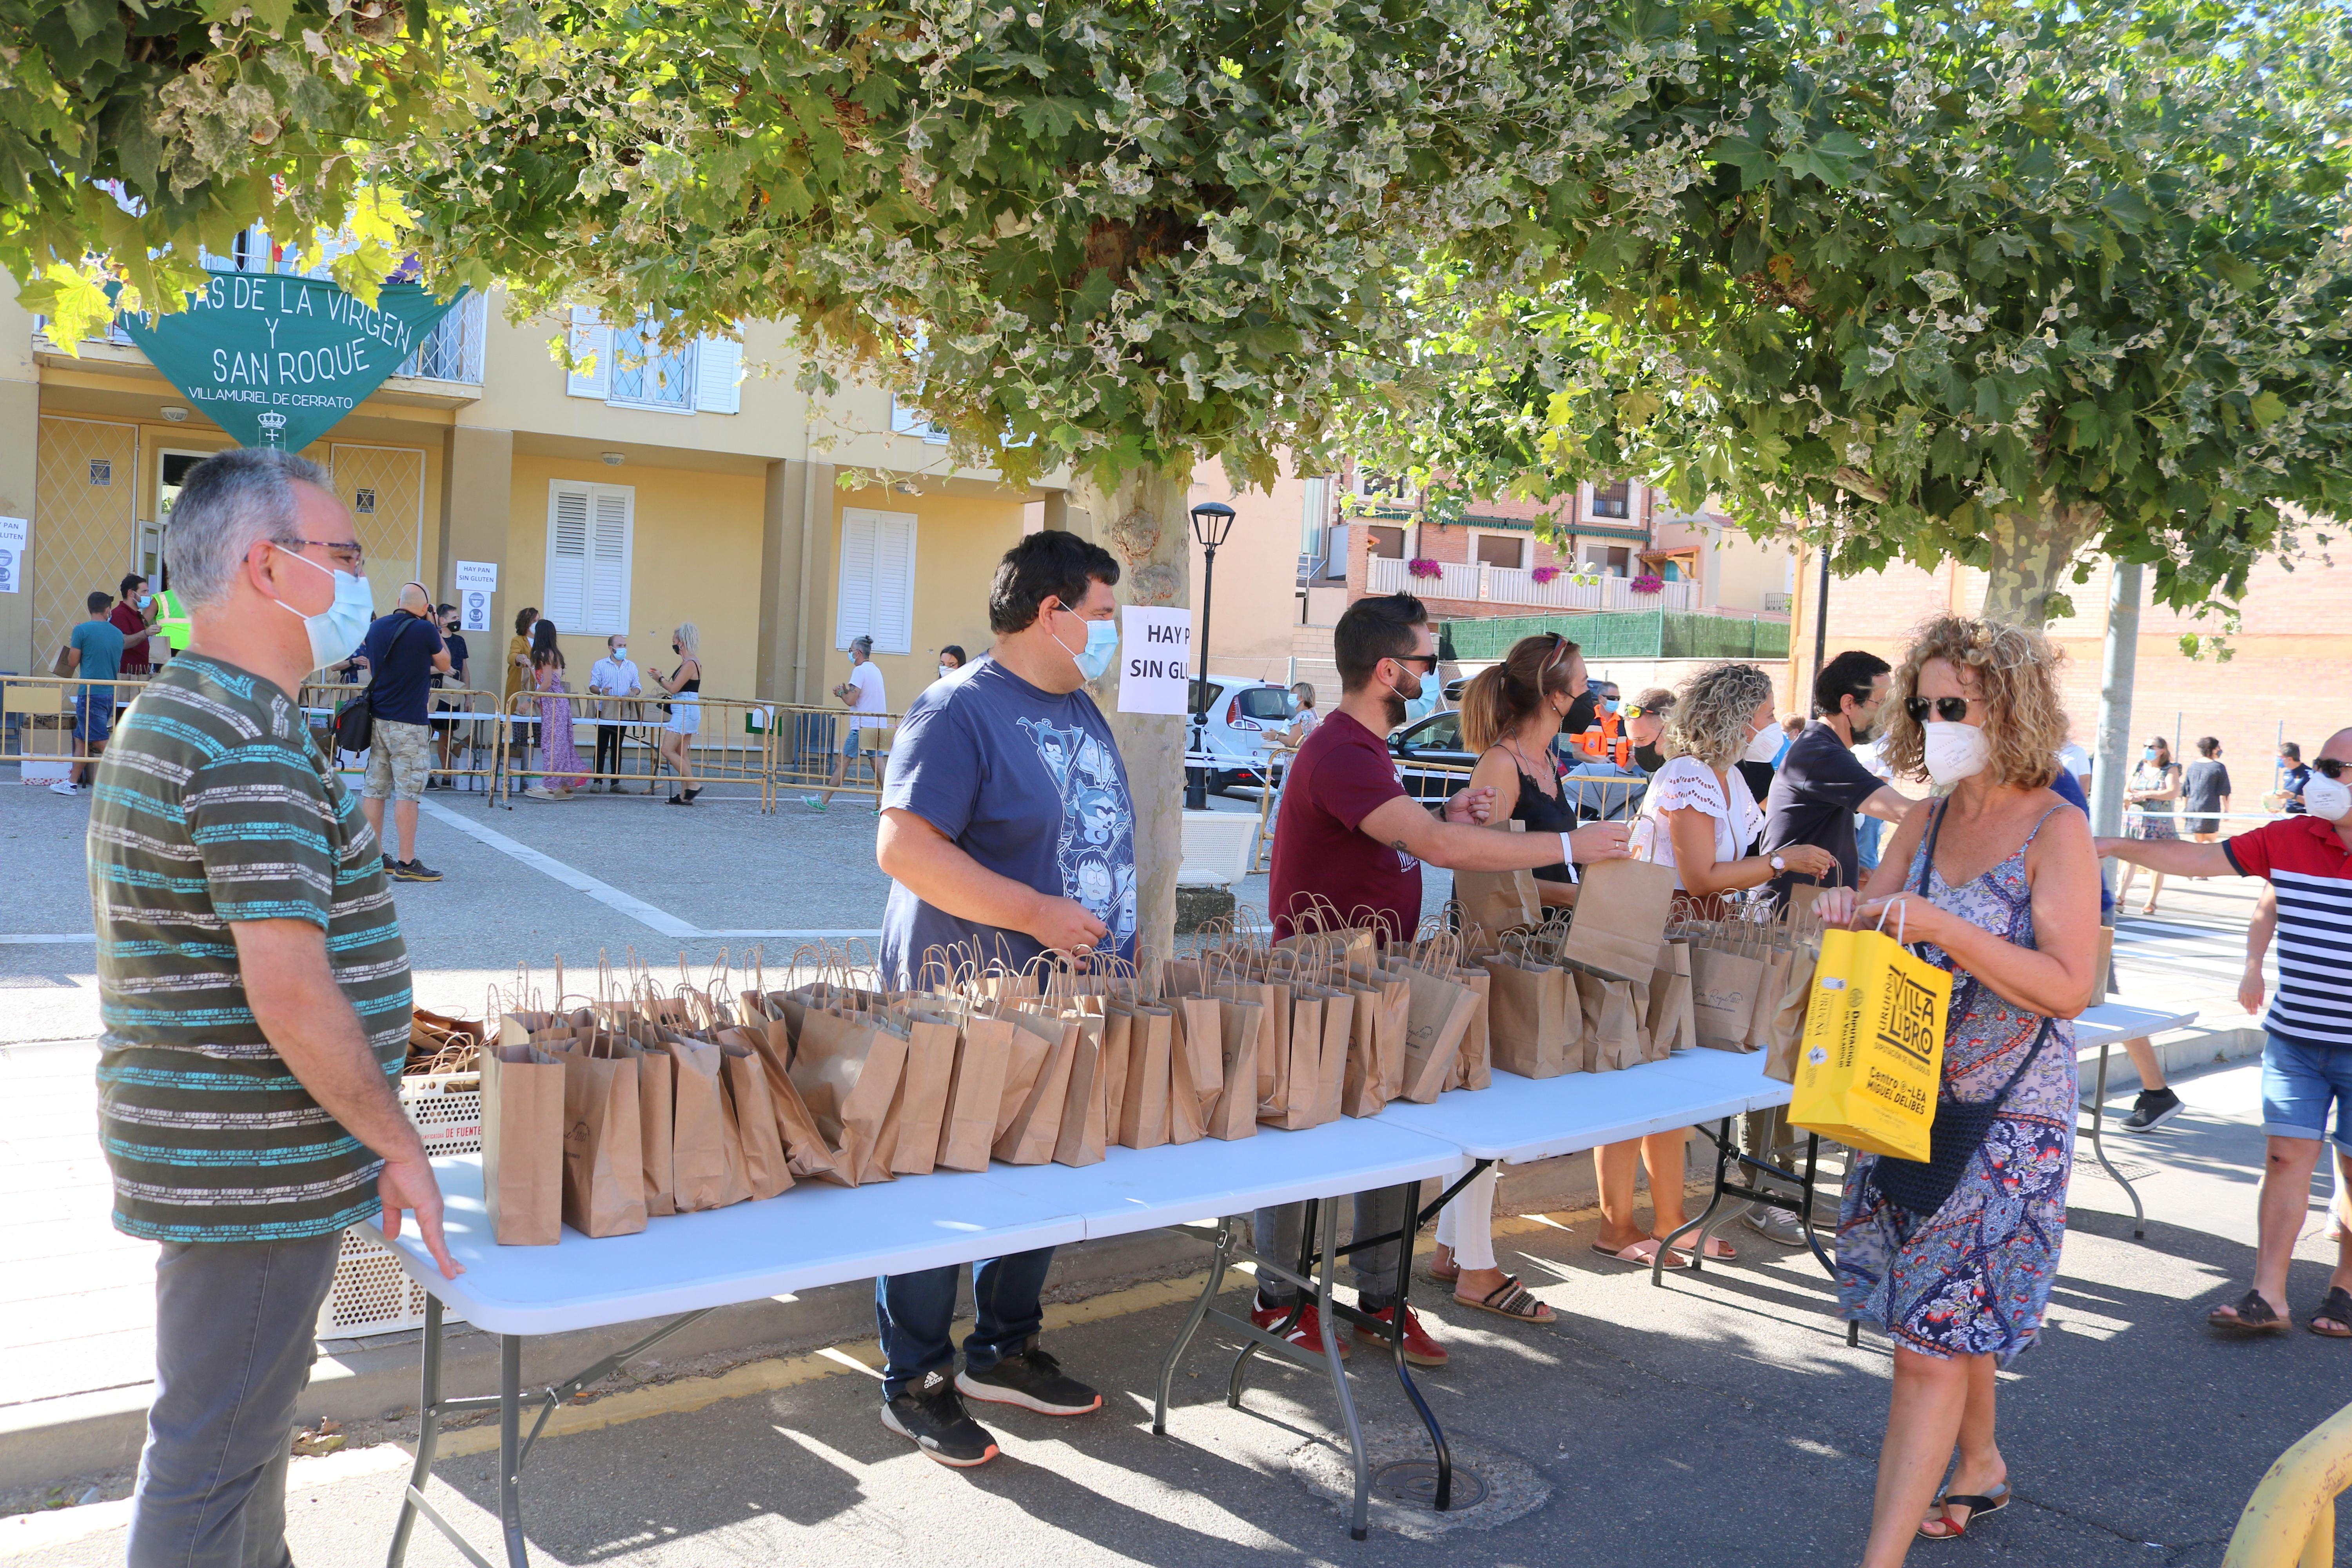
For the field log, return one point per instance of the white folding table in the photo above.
(2103, 1026)
(818, 1234)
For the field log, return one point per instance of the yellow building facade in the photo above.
(700, 486)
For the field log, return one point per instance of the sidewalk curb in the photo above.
(2180, 1051)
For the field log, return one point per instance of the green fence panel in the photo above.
(1633, 634)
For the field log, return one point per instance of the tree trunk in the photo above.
(2030, 554)
(1144, 522)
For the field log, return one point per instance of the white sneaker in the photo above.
(813, 802)
(65, 786)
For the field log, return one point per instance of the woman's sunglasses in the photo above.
(2331, 766)
(1950, 710)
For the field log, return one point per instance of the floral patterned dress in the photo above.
(1973, 1279)
(561, 758)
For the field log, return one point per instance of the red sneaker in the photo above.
(1306, 1334)
(1419, 1348)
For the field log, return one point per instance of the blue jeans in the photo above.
(2298, 1084)
(1280, 1231)
(1866, 832)
(235, 1337)
(916, 1313)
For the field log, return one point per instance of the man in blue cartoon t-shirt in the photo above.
(1007, 830)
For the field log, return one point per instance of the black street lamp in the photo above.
(1212, 520)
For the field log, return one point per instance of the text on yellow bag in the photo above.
(1872, 1060)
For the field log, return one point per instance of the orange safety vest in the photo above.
(1606, 740)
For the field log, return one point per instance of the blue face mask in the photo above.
(1102, 646)
(145, 600)
(343, 626)
(1416, 708)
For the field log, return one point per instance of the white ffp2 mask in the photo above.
(2330, 799)
(1953, 752)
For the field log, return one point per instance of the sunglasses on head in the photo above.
(1950, 710)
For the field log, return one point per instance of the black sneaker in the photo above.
(413, 872)
(391, 866)
(932, 1414)
(1033, 1380)
(2152, 1110)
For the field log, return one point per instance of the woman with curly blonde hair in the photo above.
(1995, 882)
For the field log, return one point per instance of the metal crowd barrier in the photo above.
(807, 739)
(734, 742)
(472, 733)
(1597, 799)
(37, 717)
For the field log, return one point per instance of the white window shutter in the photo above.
(609, 547)
(893, 624)
(590, 336)
(718, 377)
(565, 601)
(854, 606)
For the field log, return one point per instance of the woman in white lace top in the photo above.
(1696, 815)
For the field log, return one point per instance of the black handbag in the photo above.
(355, 715)
(1961, 1126)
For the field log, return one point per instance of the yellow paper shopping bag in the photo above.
(1872, 1058)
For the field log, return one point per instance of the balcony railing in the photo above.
(1504, 585)
(1777, 603)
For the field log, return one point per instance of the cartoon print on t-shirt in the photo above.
(1094, 849)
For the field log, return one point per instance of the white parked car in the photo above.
(1244, 717)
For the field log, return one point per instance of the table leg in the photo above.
(1302, 1278)
(1359, 1521)
(1715, 1199)
(428, 1433)
(2099, 1147)
(1812, 1157)
(511, 1449)
(1218, 1263)
(1410, 1196)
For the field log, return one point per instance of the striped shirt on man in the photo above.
(2303, 858)
(213, 806)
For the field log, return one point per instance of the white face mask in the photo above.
(343, 626)
(2330, 799)
(946, 670)
(1762, 746)
(1955, 751)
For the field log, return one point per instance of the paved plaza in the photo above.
(1721, 1420)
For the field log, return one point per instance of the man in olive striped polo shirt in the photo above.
(254, 988)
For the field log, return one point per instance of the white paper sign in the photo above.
(13, 533)
(477, 581)
(1155, 660)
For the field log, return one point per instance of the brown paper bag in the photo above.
(1473, 1065)
(1533, 1025)
(522, 1145)
(1620, 918)
(1118, 1040)
(1724, 987)
(1788, 1032)
(921, 1105)
(847, 1072)
(1612, 1039)
(1670, 1018)
(1239, 1026)
(656, 1104)
(1084, 1127)
(1494, 903)
(708, 1150)
(604, 1152)
(1768, 989)
(1436, 1014)
(767, 1170)
(1037, 1126)
(1376, 1041)
(1143, 1103)
(806, 1153)
(1331, 1053)
(975, 1089)
(1196, 1068)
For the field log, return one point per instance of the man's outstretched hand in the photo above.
(1474, 805)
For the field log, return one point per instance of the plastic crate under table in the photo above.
(370, 1294)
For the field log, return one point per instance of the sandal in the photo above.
(1979, 1505)
(1510, 1300)
(1442, 1276)
(1637, 1255)
(1718, 1249)
(2336, 1309)
(2249, 1314)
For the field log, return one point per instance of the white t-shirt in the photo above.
(1686, 783)
(1872, 757)
(869, 697)
(2074, 759)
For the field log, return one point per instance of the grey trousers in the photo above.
(235, 1332)
(1279, 1230)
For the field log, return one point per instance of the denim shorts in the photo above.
(2298, 1083)
(94, 716)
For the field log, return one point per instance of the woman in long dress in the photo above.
(2010, 906)
(558, 754)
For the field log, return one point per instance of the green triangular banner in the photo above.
(277, 360)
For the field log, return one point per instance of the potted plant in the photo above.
(1423, 567)
(1647, 583)
(1544, 573)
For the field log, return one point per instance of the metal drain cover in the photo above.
(1413, 1483)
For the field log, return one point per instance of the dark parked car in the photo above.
(1433, 763)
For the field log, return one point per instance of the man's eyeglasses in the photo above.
(1950, 710)
(351, 557)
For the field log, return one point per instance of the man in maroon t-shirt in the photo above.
(1349, 837)
(2307, 1045)
(130, 617)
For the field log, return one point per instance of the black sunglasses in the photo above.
(1950, 710)
(2331, 766)
(1428, 662)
